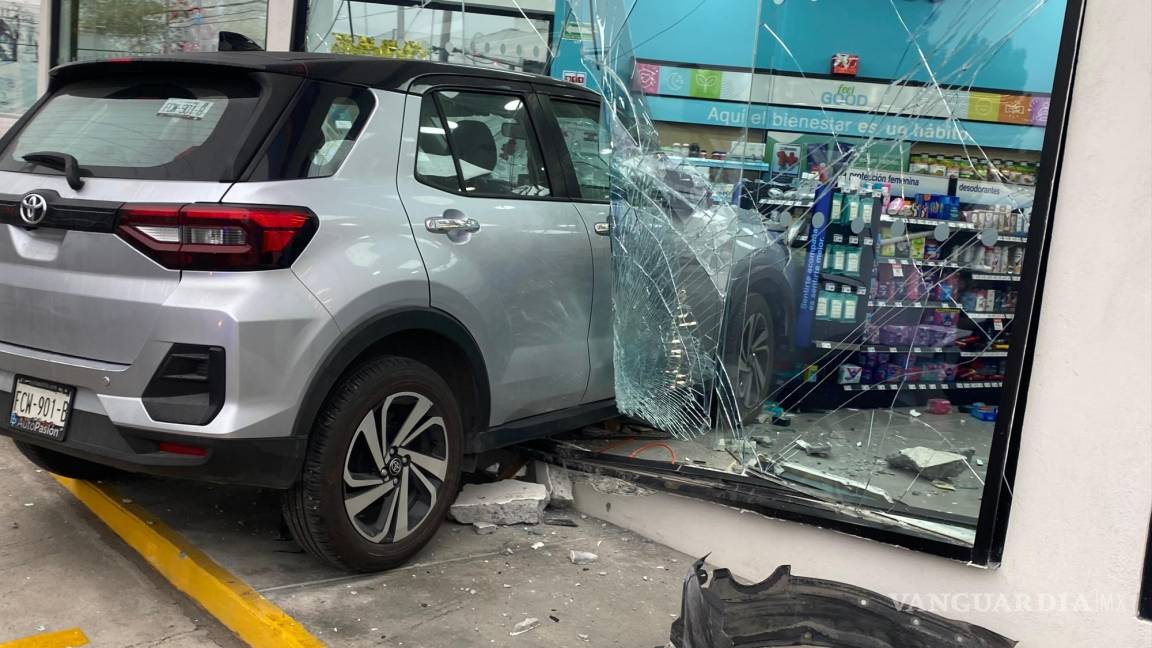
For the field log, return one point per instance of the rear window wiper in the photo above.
(61, 162)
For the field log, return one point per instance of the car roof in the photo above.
(375, 72)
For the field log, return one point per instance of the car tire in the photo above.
(65, 465)
(750, 355)
(346, 507)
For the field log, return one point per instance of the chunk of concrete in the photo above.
(928, 463)
(840, 486)
(503, 502)
(557, 482)
(815, 448)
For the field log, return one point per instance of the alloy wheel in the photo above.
(754, 367)
(395, 467)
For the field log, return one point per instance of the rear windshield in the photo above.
(144, 128)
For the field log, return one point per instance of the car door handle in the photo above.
(448, 224)
(603, 229)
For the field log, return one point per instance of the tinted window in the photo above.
(490, 138)
(434, 163)
(318, 133)
(147, 128)
(580, 124)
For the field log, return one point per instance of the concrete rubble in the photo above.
(557, 482)
(929, 463)
(815, 448)
(825, 481)
(503, 502)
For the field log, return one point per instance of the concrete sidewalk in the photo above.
(463, 589)
(63, 569)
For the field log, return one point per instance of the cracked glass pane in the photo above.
(821, 222)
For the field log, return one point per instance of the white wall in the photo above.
(1084, 486)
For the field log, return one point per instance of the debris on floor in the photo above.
(841, 486)
(614, 486)
(503, 502)
(929, 463)
(557, 483)
(560, 520)
(582, 557)
(531, 623)
(815, 448)
(483, 528)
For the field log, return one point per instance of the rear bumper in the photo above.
(273, 331)
(267, 463)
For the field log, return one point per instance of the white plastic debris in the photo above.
(582, 557)
(531, 623)
(537, 545)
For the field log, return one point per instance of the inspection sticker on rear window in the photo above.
(186, 108)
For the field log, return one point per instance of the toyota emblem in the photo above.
(32, 209)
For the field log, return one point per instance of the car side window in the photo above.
(434, 164)
(580, 124)
(481, 144)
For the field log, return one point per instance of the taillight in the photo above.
(207, 236)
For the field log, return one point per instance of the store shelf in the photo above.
(785, 202)
(743, 165)
(930, 222)
(925, 386)
(910, 304)
(996, 353)
(974, 192)
(918, 262)
(983, 276)
(855, 282)
(1011, 239)
(879, 348)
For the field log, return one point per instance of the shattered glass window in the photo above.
(823, 238)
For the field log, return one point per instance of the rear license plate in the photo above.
(41, 407)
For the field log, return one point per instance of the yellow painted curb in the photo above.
(236, 605)
(59, 639)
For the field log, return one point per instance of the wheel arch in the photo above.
(423, 334)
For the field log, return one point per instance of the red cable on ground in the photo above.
(657, 444)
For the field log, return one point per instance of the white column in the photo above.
(280, 14)
(45, 40)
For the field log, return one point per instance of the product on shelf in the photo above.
(968, 167)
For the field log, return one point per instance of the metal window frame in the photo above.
(300, 18)
(996, 502)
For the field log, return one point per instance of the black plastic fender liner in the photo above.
(787, 610)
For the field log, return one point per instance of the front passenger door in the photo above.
(504, 256)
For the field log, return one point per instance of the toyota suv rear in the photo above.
(334, 276)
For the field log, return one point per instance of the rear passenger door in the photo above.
(577, 122)
(505, 252)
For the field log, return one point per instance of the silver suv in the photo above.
(335, 276)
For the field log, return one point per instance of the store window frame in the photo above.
(57, 14)
(992, 526)
(299, 42)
